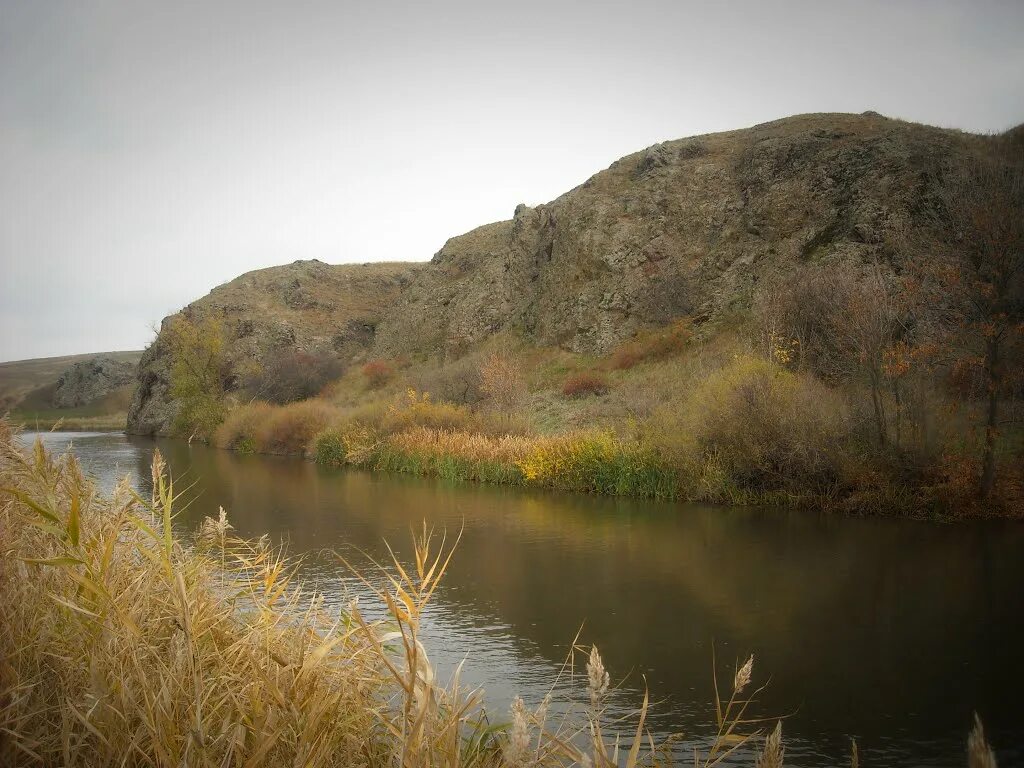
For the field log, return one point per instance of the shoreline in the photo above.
(385, 457)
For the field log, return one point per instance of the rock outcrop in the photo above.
(306, 306)
(687, 227)
(91, 380)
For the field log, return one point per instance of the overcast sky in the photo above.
(152, 150)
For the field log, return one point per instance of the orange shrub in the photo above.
(584, 384)
(377, 373)
(652, 345)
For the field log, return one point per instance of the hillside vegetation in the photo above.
(823, 309)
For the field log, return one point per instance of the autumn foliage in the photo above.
(584, 384)
(376, 373)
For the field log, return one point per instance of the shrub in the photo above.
(584, 384)
(329, 448)
(240, 427)
(754, 427)
(287, 375)
(291, 428)
(455, 382)
(502, 381)
(376, 373)
(656, 344)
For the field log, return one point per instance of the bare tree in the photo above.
(981, 212)
(869, 321)
(842, 322)
(502, 380)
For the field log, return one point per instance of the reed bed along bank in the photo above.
(750, 432)
(416, 435)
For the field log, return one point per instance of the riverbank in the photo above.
(790, 464)
(666, 415)
(65, 421)
(175, 646)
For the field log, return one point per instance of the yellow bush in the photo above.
(239, 429)
(291, 428)
(418, 409)
(597, 462)
(754, 426)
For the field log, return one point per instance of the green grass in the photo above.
(70, 420)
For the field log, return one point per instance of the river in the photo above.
(893, 632)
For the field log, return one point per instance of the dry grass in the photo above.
(291, 428)
(54, 421)
(651, 345)
(511, 449)
(238, 430)
(121, 646)
(263, 428)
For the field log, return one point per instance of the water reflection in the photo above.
(889, 631)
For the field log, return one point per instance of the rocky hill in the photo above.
(32, 384)
(686, 227)
(307, 306)
(87, 381)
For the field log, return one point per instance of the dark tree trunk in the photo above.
(988, 457)
(899, 411)
(879, 406)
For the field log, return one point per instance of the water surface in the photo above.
(889, 631)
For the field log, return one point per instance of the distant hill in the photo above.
(31, 383)
(28, 389)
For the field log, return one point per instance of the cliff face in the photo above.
(686, 227)
(682, 228)
(306, 306)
